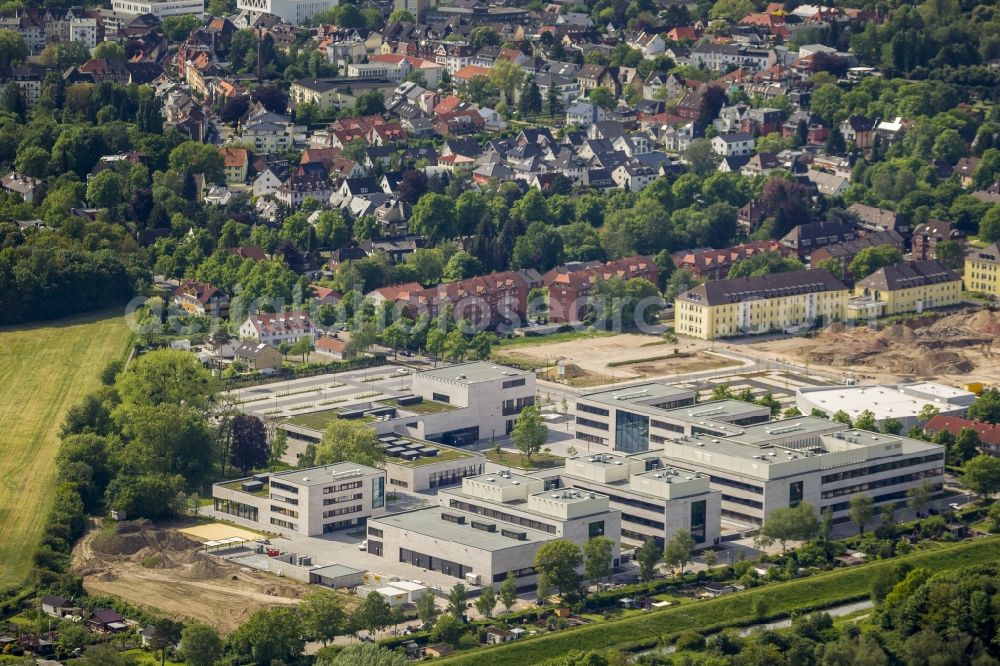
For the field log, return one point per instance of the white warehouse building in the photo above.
(902, 402)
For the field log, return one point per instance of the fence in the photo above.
(309, 370)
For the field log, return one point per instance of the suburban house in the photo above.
(106, 621)
(55, 606)
(275, 328)
(28, 188)
(878, 219)
(258, 356)
(235, 162)
(730, 145)
(200, 298)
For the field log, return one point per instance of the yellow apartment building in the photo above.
(905, 287)
(982, 270)
(789, 302)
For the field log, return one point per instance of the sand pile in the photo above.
(128, 539)
(204, 567)
(925, 345)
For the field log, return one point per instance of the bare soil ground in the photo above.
(588, 358)
(953, 348)
(157, 566)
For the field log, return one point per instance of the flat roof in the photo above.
(936, 389)
(504, 479)
(429, 522)
(761, 434)
(476, 371)
(568, 495)
(884, 402)
(633, 394)
(316, 476)
(714, 409)
(335, 571)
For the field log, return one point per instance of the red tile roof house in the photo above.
(711, 264)
(570, 285)
(332, 347)
(989, 434)
(488, 301)
(394, 292)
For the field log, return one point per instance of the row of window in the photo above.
(284, 486)
(342, 511)
(284, 512)
(593, 439)
(882, 483)
(733, 483)
(283, 523)
(505, 517)
(590, 423)
(629, 518)
(881, 467)
(512, 383)
(237, 509)
(663, 425)
(342, 487)
(450, 477)
(590, 409)
(742, 501)
(340, 500)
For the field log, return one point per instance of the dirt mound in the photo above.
(129, 539)
(204, 568)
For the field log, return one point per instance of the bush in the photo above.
(690, 640)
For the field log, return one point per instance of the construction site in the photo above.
(953, 348)
(163, 567)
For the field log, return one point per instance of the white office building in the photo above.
(289, 11)
(159, 8)
(305, 501)
(654, 498)
(493, 526)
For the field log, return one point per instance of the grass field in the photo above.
(824, 589)
(44, 369)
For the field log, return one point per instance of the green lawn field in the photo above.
(822, 589)
(44, 369)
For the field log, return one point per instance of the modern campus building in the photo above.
(902, 402)
(655, 499)
(982, 270)
(790, 302)
(755, 463)
(454, 405)
(630, 420)
(159, 8)
(418, 465)
(905, 287)
(782, 463)
(493, 525)
(290, 11)
(305, 501)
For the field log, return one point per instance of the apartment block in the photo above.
(571, 285)
(159, 8)
(789, 302)
(305, 502)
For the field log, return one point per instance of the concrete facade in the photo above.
(306, 501)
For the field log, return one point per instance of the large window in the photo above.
(631, 432)
(595, 529)
(795, 493)
(698, 521)
(378, 492)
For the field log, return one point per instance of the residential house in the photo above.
(843, 253)
(760, 164)
(394, 293)
(268, 132)
(236, 164)
(762, 121)
(737, 143)
(966, 170)
(829, 184)
(858, 130)
(871, 218)
(28, 188)
(337, 94)
(566, 88)
(60, 607)
(890, 131)
(804, 238)
(497, 301)
(106, 621)
(720, 57)
(258, 356)
(202, 299)
(591, 76)
(633, 176)
(926, 237)
(570, 285)
(275, 328)
(650, 43)
(269, 180)
(305, 183)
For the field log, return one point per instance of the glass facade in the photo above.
(595, 529)
(378, 492)
(631, 432)
(433, 563)
(698, 532)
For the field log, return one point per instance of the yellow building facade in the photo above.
(982, 270)
(779, 302)
(901, 288)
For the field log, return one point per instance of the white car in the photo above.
(363, 545)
